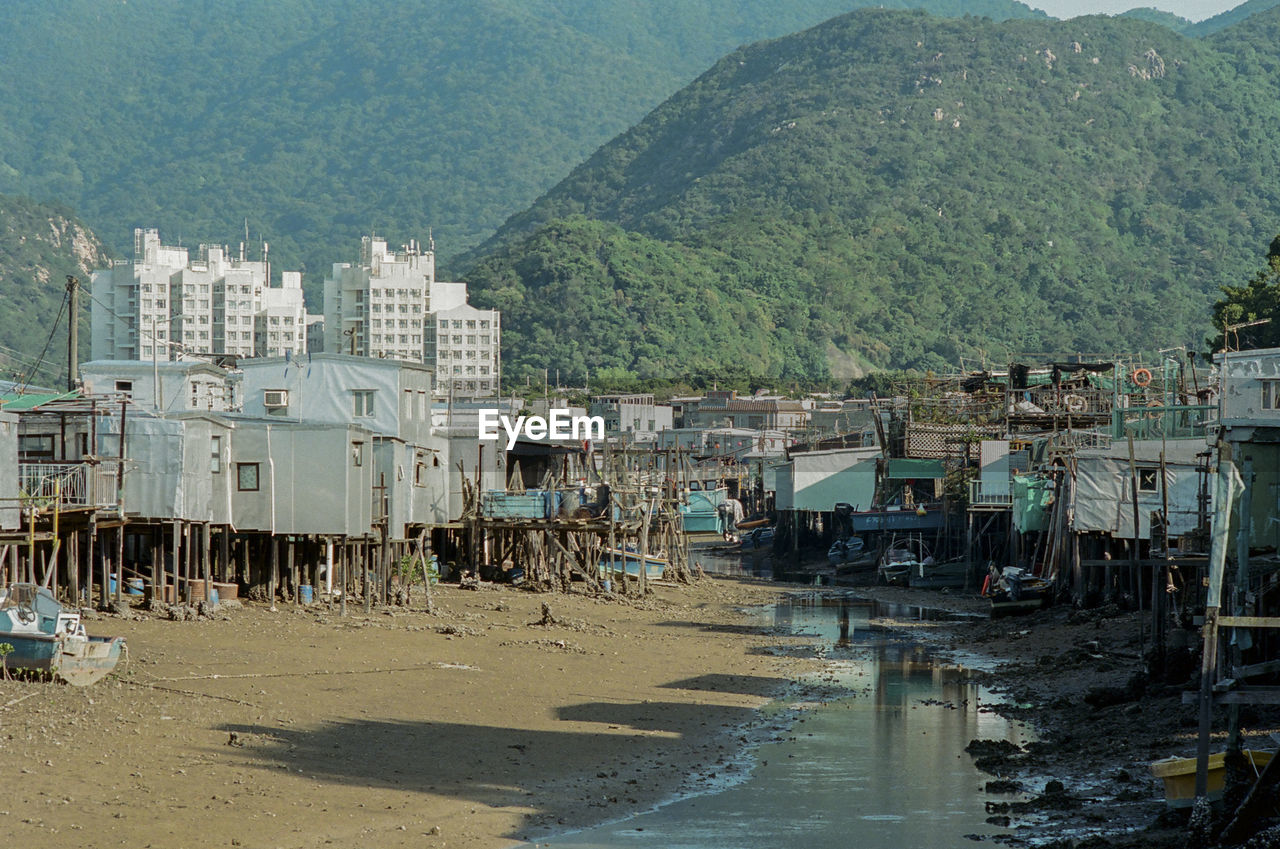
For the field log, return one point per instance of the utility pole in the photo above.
(73, 335)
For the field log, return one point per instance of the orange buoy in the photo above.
(1141, 377)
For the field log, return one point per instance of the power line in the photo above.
(65, 295)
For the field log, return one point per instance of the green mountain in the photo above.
(318, 121)
(1231, 17)
(893, 189)
(1177, 23)
(39, 247)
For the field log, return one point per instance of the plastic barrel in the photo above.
(213, 596)
(306, 592)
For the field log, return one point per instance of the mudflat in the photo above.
(475, 725)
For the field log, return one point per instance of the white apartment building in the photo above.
(390, 305)
(462, 344)
(377, 308)
(165, 303)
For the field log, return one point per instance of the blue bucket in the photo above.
(306, 592)
(112, 586)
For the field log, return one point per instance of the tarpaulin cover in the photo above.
(1031, 497)
(1104, 488)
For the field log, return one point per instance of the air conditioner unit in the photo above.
(275, 398)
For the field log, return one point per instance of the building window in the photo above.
(1271, 394)
(357, 453)
(35, 447)
(1148, 479)
(247, 477)
(362, 402)
(484, 324)
(125, 386)
(215, 454)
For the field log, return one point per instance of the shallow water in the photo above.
(881, 765)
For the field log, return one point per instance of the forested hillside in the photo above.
(899, 190)
(39, 246)
(319, 120)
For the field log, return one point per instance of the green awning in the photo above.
(905, 469)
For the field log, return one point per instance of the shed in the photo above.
(1104, 487)
(818, 480)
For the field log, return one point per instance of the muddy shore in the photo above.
(479, 726)
(1078, 678)
(473, 726)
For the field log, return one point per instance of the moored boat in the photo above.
(50, 639)
(617, 562)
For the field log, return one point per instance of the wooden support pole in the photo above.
(342, 561)
(293, 572)
(177, 555)
(273, 555)
(206, 558)
(119, 559)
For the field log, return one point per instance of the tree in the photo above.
(1256, 301)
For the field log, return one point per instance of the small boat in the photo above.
(1015, 591)
(1179, 776)
(758, 539)
(616, 562)
(48, 638)
(844, 550)
(901, 558)
(754, 522)
(950, 574)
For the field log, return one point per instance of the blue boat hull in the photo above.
(77, 662)
(629, 563)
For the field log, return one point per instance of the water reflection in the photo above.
(881, 767)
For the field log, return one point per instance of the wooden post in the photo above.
(1209, 655)
(119, 560)
(224, 553)
(644, 547)
(188, 543)
(206, 557)
(363, 546)
(342, 560)
(273, 555)
(293, 572)
(177, 555)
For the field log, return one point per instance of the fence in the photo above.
(71, 484)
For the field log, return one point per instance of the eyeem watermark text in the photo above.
(559, 425)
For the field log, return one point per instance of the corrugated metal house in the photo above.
(1104, 487)
(166, 387)
(9, 513)
(387, 397)
(301, 478)
(818, 480)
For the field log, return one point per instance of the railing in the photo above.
(70, 484)
(1183, 421)
(997, 493)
